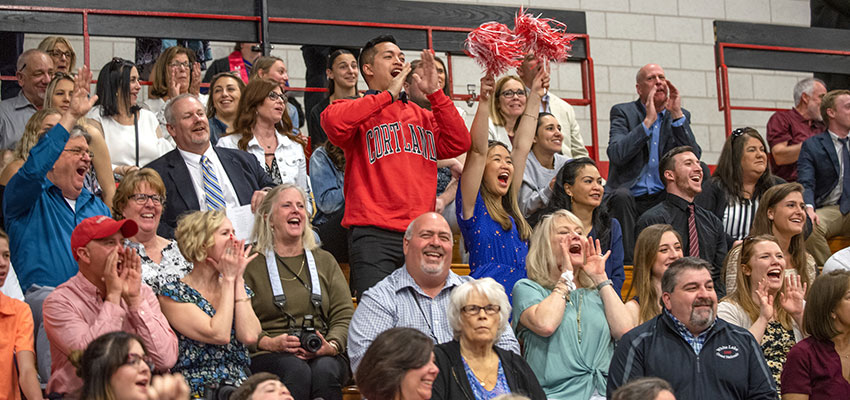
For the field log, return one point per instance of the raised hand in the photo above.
(764, 301)
(174, 87)
(195, 82)
(488, 83)
(792, 297)
(651, 113)
(81, 103)
(427, 79)
(168, 387)
(674, 101)
(540, 84)
(594, 260)
(112, 278)
(131, 271)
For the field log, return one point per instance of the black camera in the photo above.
(310, 341)
(219, 390)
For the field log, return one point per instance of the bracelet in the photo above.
(530, 116)
(242, 299)
(604, 283)
(563, 294)
(335, 345)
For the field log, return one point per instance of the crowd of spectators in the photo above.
(190, 245)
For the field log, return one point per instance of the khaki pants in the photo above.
(832, 224)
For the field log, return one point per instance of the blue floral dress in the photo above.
(204, 363)
(493, 251)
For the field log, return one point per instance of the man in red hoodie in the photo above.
(391, 150)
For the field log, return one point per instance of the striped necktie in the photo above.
(212, 190)
(693, 237)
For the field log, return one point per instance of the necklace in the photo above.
(303, 260)
(578, 315)
(480, 380)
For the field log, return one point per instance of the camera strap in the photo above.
(277, 288)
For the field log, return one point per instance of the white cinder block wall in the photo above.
(624, 35)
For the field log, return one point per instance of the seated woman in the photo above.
(656, 248)
(99, 180)
(290, 264)
(327, 174)
(771, 311)
(741, 178)
(494, 230)
(578, 188)
(223, 104)
(132, 135)
(174, 73)
(262, 386)
(140, 197)
(567, 312)
(271, 67)
(781, 213)
(210, 307)
(506, 107)
(399, 365)
(543, 163)
(258, 130)
(342, 72)
(116, 366)
(471, 366)
(60, 50)
(816, 366)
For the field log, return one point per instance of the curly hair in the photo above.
(195, 233)
(129, 185)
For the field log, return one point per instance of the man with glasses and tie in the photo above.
(701, 231)
(824, 171)
(641, 132)
(42, 204)
(199, 176)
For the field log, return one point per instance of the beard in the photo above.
(702, 319)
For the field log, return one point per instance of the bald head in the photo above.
(428, 249)
(649, 76)
(34, 72)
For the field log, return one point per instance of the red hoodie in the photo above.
(391, 173)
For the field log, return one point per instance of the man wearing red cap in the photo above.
(106, 295)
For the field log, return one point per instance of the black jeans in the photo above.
(321, 377)
(374, 253)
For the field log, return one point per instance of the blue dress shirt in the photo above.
(649, 182)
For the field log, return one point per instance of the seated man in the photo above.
(199, 176)
(34, 72)
(573, 144)
(17, 350)
(106, 295)
(416, 295)
(42, 204)
(700, 355)
(641, 132)
(824, 171)
(391, 150)
(701, 231)
(787, 129)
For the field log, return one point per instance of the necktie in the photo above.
(844, 200)
(693, 238)
(212, 190)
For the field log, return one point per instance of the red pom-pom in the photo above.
(545, 37)
(493, 46)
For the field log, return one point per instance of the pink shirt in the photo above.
(75, 314)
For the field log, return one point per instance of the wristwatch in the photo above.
(604, 283)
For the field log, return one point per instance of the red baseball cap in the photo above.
(99, 227)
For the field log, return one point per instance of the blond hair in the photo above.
(541, 256)
(263, 234)
(48, 43)
(195, 233)
(742, 296)
(496, 102)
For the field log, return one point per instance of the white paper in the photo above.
(242, 219)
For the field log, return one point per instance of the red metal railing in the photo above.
(588, 80)
(721, 70)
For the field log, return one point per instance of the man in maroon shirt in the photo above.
(786, 130)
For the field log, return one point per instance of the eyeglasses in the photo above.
(179, 65)
(79, 152)
(513, 93)
(141, 198)
(135, 359)
(274, 96)
(474, 309)
(60, 54)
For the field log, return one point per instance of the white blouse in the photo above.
(121, 139)
(289, 156)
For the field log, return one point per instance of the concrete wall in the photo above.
(624, 35)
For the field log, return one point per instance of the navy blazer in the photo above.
(628, 143)
(244, 171)
(817, 168)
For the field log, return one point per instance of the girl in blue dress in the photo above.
(494, 230)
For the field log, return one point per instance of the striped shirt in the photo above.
(738, 217)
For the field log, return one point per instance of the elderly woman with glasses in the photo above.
(471, 366)
(61, 51)
(174, 73)
(258, 130)
(567, 311)
(140, 197)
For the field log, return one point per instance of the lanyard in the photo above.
(277, 288)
